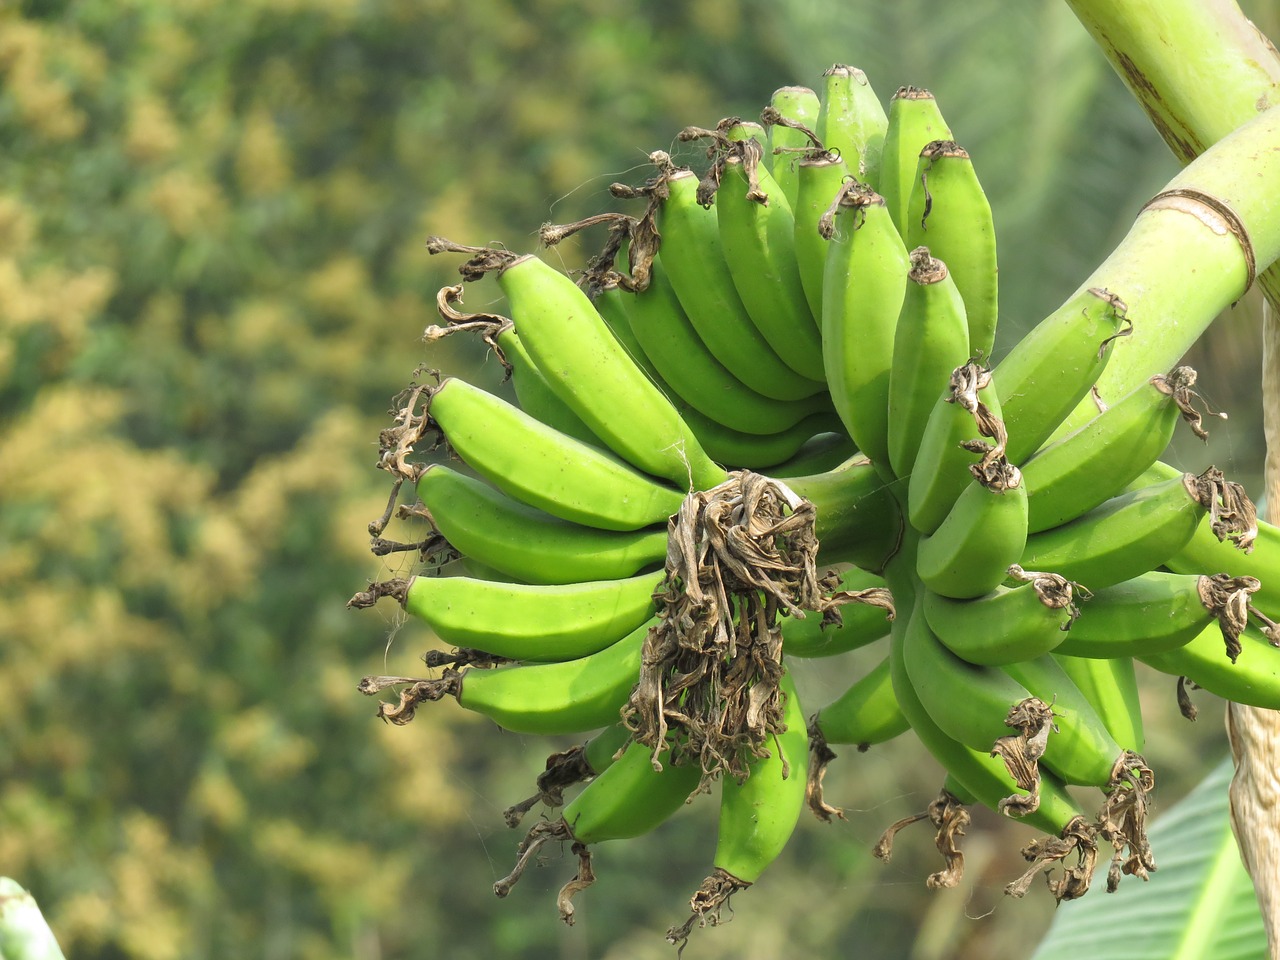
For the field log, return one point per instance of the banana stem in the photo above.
(1200, 69)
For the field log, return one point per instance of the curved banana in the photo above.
(864, 284)
(956, 431)
(821, 452)
(914, 120)
(852, 121)
(866, 714)
(629, 799)
(1111, 687)
(757, 230)
(1094, 463)
(949, 212)
(589, 369)
(567, 768)
(795, 111)
(930, 341)
(820, 179)
(1156, 612)
(861, 623)
(758, 451)
(757, 816)
(568, 697)
(692, 371)
(527, 543)
(984, 534)
(1121, 539)
(529, 621)
(695, 264)
(858, 519)
(1011, 623)
(541, 467)
(1046, 375)
(1253, 680)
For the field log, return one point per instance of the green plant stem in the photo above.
(1177, 268)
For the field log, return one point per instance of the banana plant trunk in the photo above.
(1200, 69)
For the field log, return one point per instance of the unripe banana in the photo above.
(913, 121)
(1122, 539)
(1094, 463)
(1254, 679)
(864, 283)
(588, 368)
(954, 448)
(852, 121)
(857, 517)
(756, 451)
(527, 543)
(757, 816)
(1011, 623)
(821, 452)
(1157, 612)
(530, 621)
(692, 371)
(794, 108)
(948, 212)
(820, 179)
(629, 799)
(757, 231)
(541, 467)
(861, 623)
(695, 264)
(568, 697)
(930, 341)
(1111, 687)
(1050, 370)
(866, 714)
(983, 535)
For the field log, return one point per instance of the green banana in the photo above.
(913, 121)
(1253, 680)
(793, 118)
(529, 622)
(930, 341)
(591, 371)
(564, 697)
(852, 121)
(757, 451)
(861, 623)
(566, 768)
(857, 520)
(629, 799)
(1123, 538)
(696, 267)
(757, 231)
(1156, 612)
(821, 452)
(1111, 687)
(977, 772)
(967, 412)
(864, 715)
(757, 816)
(527, 543)
(1081, 749)
(1049, 371)
(864, 284)
(1095, 462)
(541, 467)
(948, 211)
(1011, 623)
(983, 535)
(692, 371)
(821, 177)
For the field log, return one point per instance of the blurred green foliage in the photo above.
(212, 278)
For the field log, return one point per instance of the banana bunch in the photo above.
(764, 422)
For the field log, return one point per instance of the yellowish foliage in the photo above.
(152, 134)
(189, 201)
(262, 157)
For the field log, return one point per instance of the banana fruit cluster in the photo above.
(765, 424)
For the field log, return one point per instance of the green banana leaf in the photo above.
(23, 933)
(1199, 903)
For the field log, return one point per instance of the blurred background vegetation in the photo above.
(212, 280)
